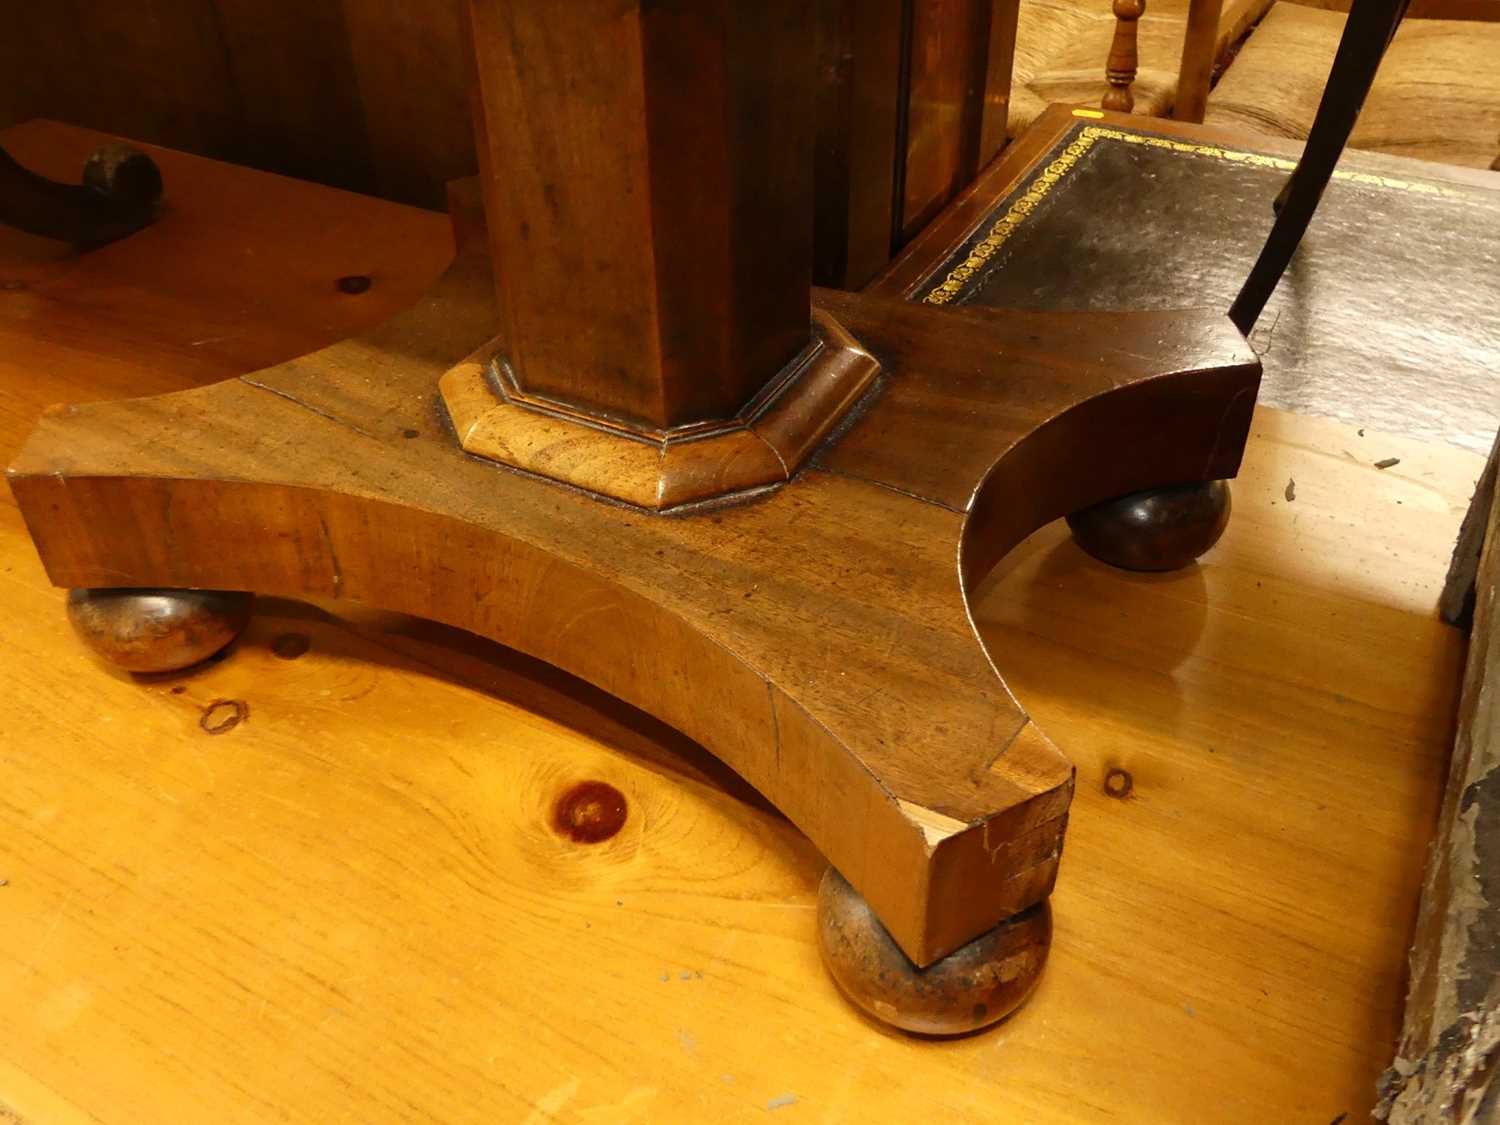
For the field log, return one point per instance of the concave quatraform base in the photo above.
(814, 636)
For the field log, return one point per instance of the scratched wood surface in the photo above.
(354, 904)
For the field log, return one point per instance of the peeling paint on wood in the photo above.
(1450, 1043)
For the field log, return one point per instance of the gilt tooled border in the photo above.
(958, 277)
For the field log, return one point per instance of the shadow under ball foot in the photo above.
(157, 630)
(974, 986)
(1158, 529)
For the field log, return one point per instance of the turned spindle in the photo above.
(1120, 69)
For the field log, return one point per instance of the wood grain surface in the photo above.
(354, 903)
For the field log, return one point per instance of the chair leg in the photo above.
(1370, 27)
(1199, 50)
(1120, 69)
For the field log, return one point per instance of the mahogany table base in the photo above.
(815, 635)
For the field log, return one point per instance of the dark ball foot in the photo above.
(971, 988)
(1159, 529)
(157, 630)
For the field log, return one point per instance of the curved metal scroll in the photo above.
(120, 193)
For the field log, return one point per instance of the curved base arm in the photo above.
(815, 636)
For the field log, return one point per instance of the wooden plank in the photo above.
(1000, 65)
(355, 904)
(1443, 1071)
(1457, 603)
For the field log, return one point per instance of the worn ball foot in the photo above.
(157, 630)
(971, 988)
(1159, 529)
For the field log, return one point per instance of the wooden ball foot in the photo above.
(973, 987)
(1159, 529)
(157, 630)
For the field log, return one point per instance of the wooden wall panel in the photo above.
(369, 97)
(961, 54)
(373, 97)
(412, 66)
(153, 69)
(948, 41)
(293, 75)
(913, 101)
(859, 103)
